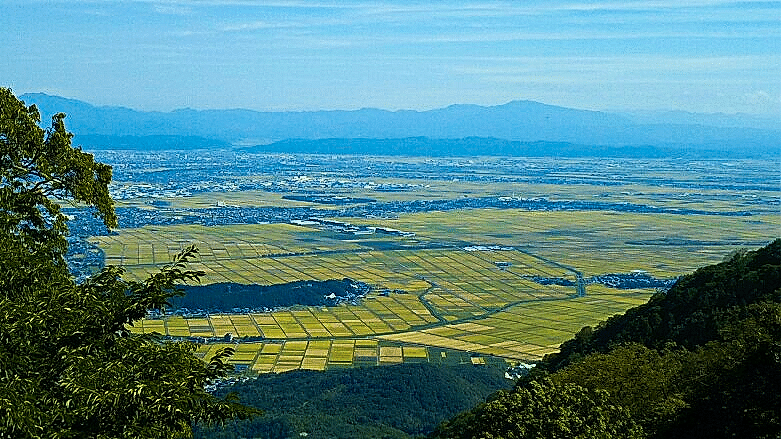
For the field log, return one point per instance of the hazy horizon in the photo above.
(421, 110)
(708, 56)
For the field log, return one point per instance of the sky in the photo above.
(699, 56)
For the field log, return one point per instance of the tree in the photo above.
(69, 365)
(38, 168)
(644, 381)
(544, 409)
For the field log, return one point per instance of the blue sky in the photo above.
(701, 56)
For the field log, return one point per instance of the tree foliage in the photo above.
(394, 402)
(644, 381)
(38, 170)
(544, 409)
(69, 366)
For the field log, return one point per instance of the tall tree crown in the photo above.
(39, 170)
(69, 365)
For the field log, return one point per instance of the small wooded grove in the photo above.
(224, 297)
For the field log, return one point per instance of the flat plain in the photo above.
(467, 259)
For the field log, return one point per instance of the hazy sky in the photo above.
(704, 56)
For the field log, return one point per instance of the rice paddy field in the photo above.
(481, 302)
(458, 285)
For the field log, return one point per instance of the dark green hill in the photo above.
(691, 313)
(377, 402)
(702, 360)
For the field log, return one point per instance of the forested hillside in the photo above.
(381, 402)
(702, 360)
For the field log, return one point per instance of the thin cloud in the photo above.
(623, 64)
(470, 17)
(262, 25)
(172, 9)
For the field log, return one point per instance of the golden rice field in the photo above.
(435, 299)
(598, 242)
(318, 338)
(282, 356)
(432, 297)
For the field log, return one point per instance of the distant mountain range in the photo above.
(519, 127)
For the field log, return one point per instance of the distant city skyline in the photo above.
(294, 55)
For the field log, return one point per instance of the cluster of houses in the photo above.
(351, 229)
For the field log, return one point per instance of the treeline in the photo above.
(702, 360)
(381, 402)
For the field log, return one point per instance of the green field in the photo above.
(429, 292)
(459, 284)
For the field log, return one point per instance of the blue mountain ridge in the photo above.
(516, 121)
